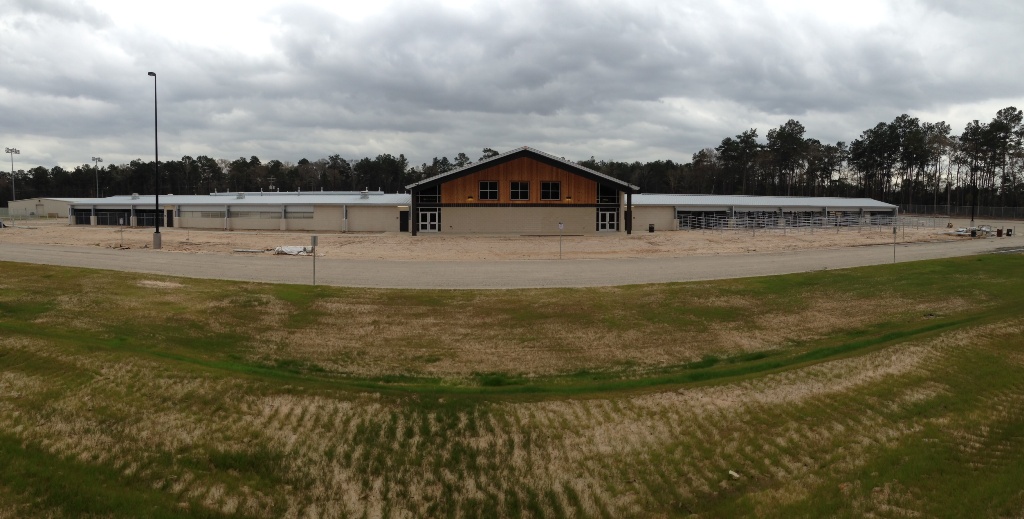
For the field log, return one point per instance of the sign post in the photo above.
(120, 221)
(560, 227)
(313, 241)
(894, 244)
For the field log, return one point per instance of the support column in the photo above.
(629, 212)
(414, 214)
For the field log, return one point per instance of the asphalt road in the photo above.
(488, 274)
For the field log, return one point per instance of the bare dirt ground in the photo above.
(441, 247)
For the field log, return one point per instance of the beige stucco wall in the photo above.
(519, 220)
(255, 224)
(39, 207)
(325, 218)
(200, 223)
(663, 218)
(372, 219)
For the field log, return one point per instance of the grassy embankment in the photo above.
(866, 391)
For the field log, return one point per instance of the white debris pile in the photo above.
(294, 250)
(981, 231)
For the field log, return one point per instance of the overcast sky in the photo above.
(632, 80)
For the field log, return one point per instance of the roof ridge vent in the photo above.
(240, 195)
(135, 196)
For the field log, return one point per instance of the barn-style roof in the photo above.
(527, 152)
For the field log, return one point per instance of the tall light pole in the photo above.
(13, 152)
(156, 166)
(97, 160)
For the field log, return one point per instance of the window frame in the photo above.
(491, 194)
(545, 187)
(516, 189)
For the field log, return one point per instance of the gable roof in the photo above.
(527, 152)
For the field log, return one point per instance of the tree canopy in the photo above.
(905, 161)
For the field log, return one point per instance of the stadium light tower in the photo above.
(13, 152)
(97, 160)
(156, 166)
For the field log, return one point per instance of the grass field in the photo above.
(893, 391)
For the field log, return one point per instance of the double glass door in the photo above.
(607, 219)
(430, 220)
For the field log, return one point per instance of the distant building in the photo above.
(40, 207)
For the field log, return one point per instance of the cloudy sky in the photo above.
(622, 80)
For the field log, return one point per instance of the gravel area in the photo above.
(393, 260)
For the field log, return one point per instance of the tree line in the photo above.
(905, 161)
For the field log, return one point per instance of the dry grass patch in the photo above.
(152, 283)
(365, 336)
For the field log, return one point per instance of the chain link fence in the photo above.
(953, 211)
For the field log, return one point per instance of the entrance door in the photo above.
(607, 219)
(403, 221)
(430, 220)
(170, 218)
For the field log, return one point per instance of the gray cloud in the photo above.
(637, 81)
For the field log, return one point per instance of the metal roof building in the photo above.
(672, 211)
(340, 211)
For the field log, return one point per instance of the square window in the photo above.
(520, 191)
(550, 191)
(488, 190)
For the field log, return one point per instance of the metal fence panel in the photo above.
(806, 222)
(1009, 213)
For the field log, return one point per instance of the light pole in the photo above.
(156, 166)
(97, 160)
(13, 152)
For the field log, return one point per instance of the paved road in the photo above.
(488, 274)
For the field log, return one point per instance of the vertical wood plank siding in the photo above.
(582, 190)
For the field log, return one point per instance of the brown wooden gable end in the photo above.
(575, 189)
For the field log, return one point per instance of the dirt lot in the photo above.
(401, 246)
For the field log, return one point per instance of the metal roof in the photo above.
(759, 203)
(270, 198)
(524, 150)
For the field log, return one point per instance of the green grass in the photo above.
(121, 400)
(82, 489)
